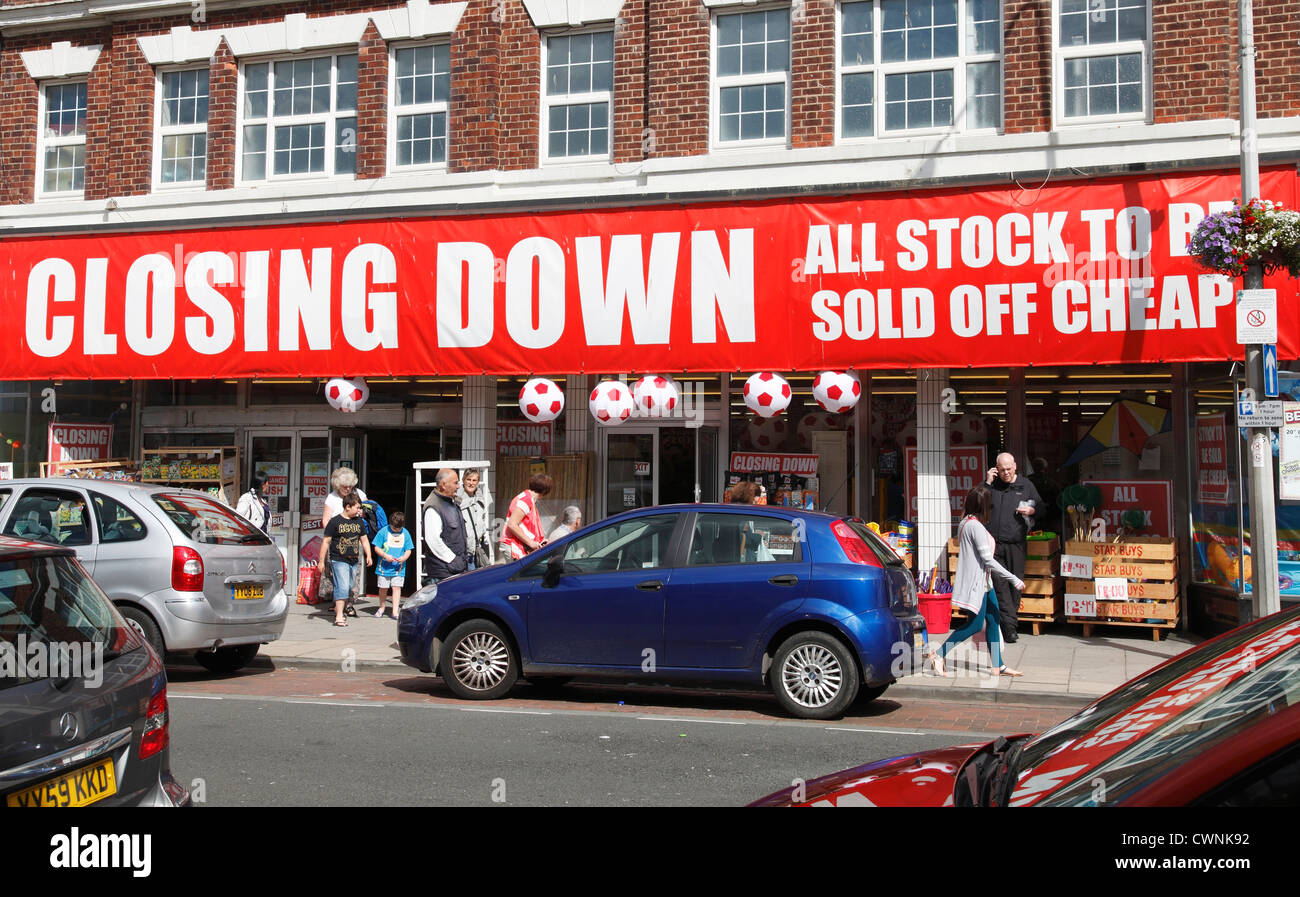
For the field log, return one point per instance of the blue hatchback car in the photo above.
(814, 606)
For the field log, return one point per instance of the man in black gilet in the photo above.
(1015, 500)
(446, 551)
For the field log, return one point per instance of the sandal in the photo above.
(1005, 670)
(936, 663)
(340, 623)
(379, 613)
(350, 610)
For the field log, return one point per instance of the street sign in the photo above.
(1260, 414)
(1270, 371)
(1256, 317)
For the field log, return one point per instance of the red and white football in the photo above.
(656, 395)
(611, 402)
(347, 393)
(541, 400)
(837, 391)
(767, 394)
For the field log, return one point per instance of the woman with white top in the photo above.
(344, 481)
(972, 590)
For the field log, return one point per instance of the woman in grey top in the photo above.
(972, 589)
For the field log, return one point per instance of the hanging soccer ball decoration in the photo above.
(611, 403)
(347, 393)
(837, 392)
(656, 395)
(541, 400)
(767, 394)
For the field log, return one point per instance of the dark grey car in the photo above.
(83, 698)
(187, 572)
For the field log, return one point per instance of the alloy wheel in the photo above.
(812, 675)
(480, 660)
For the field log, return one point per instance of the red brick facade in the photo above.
(662, 86)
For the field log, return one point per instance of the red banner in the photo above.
(1084, 272)
(1154, 498)
(1211, 459)
(967, 468)
(765, 462)
(78, 442)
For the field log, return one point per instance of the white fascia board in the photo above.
(714, 4)
(557, 13)
(761, 173)
(181, 44)
(417, 18)
(61, 60)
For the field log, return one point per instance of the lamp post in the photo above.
(1265, 595)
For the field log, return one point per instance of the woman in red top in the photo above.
(523, 532)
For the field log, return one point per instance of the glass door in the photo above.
(296, 466)
(659, 465)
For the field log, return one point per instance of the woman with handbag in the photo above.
(972, 590)
(474, 503)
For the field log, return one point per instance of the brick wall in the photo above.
(679, 77)
(812, 73)
(472, 126)
(372, 104)
(1193, 60)
(662, 82)
(1027, 66)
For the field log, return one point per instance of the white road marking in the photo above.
(331, 703)
(198, 697)
(496, 710)
(679, 719)
(875, 731)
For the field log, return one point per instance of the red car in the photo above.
(1218, 725)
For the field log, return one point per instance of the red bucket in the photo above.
(937, 609)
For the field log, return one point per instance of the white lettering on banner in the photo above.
(728, 286)
(867, 315)
(379, 261)
(96, 341)
(1100, 304)
(824, 256)
(201, 274)
(1013, 239)
(549, 310)
(257, 277)
(304, 300)
(53, 280)
(462, 324)
(648, 299)
(150, 304)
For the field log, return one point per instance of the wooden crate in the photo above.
(1133, 549)
(1038, 610)
(1150, 566)
(1043, 548)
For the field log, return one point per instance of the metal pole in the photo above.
(1263, 516)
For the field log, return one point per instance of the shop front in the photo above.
(1047, 323)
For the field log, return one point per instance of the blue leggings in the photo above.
(986, 619)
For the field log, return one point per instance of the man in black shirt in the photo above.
(1015, 500)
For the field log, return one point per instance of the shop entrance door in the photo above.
(297, 464)
(659, 466)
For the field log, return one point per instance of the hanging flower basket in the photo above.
(1261, 231)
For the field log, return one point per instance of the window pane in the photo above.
(254, 153)
(255, 91)
(983, 94)
(346, 92)
(345, 146)
(65, 110)
(855, 38)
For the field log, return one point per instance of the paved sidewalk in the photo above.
(1061, 667)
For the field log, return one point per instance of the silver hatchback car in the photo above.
(187, 572)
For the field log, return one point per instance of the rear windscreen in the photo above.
(207, 522)
(886, 555)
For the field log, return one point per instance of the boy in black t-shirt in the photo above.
(345, 542)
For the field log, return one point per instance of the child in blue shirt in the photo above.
(393, 546)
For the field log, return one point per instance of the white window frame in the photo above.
(43, 142)
(162, 131)
(879, 70)
(591, 97)
(434, 107)
(719, 82)
(329, 119)
(1061, 55)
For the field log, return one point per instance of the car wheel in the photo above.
(814, 676)
(867, 695)
(227, 659)
(146, 628)
(478, 662)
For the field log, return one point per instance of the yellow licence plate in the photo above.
(73, 789)
(248, 593)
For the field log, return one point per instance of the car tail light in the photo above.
(187, 569)
(155, 726)
(853, 545)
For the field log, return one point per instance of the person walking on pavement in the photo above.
(1015, 501)
(971, 589)
(393, 545)
(446, 549)
(343, 546)
(523, 531)
(344, 481)
(252, 504)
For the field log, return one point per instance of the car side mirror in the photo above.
(554, 570)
